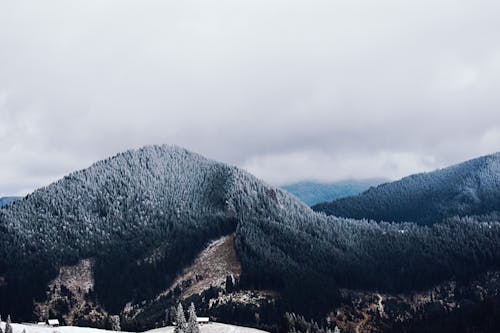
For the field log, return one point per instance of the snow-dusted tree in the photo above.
(8, 326)
(164, 195)
(1, 325)
(172, 315)
(336, 329)
(114, 323)
(192, 326)
(180, 320)
(167, 317)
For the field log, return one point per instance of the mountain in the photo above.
(471, 188)
(313, 193)
(7, 200)
(137, 233)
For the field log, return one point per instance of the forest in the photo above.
(145, 214)
(466, 189)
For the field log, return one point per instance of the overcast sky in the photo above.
(289, 90)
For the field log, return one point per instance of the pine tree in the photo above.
(229, 283)
(180, 320)
(114, 323)
(8, 327)
(167, 317)
(1, 325)
(192, 326)
(172, 315)
(336, 329)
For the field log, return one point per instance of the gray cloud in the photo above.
(289, 90)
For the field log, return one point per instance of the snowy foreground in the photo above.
(208, 328)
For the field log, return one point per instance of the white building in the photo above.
(53, 322)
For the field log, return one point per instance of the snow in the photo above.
(34, 328)
(207, 328)
(212, 328)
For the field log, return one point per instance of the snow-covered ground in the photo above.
(207, 328)
(212, 328)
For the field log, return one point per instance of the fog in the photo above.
(289, 90)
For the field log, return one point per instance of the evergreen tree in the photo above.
(180, 320)
(229, 283)
(114, 323)
(167, 317)
(172, 315)
(8, 327)
(192, 326)
(1, 325)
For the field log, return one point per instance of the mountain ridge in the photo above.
(470, 188)
(144, 215)
(7, 200)
(315, 192)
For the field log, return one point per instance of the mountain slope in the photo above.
(132, 223)
(119, 211)
(313, 193)
(469, 188)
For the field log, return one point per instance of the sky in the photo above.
(288, 90)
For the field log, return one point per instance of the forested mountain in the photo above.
(7, 200)
(142, 216)
(471, 188)
(316, 192)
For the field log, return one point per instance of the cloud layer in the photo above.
(289, 90)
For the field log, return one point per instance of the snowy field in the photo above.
(208, 328)
(212, 328)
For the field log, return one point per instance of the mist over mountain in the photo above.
(312, 193)
(471, 188)
(132, 224)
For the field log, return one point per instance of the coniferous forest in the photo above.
(145, 214)
(466, 189)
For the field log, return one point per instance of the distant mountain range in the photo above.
(7, 200)
(137, 233)
(471, 188)
(312, 193)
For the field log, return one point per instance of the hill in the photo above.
(471, 188)
(312, 193)
(134, 234)
(7, 200)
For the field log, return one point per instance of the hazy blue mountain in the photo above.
(313, 193)
(144, 215)
(465, 189)
(6, 200)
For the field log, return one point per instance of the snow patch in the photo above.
(207, 328)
